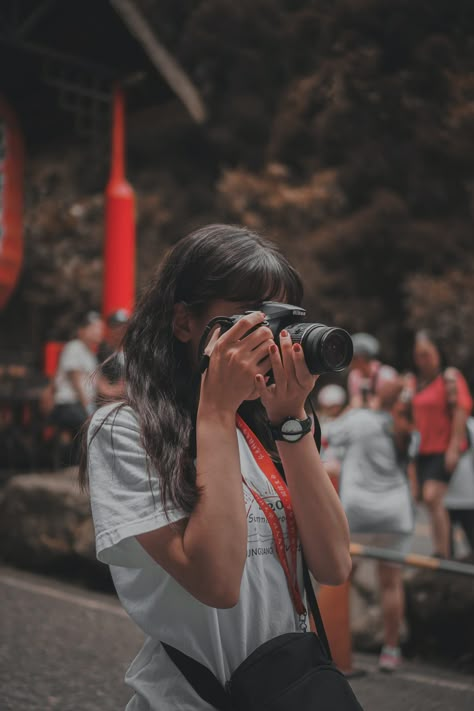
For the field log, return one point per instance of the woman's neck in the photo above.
(426, 379)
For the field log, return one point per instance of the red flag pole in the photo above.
(119, 247)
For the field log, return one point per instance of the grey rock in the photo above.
(45, 520)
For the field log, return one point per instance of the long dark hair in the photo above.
(215, 262)
(425, 334)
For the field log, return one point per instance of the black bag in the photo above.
(292, 672)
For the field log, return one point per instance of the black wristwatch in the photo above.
(291, 429)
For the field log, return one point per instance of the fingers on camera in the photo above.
(244, 325)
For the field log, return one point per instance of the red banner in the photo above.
(11, 201)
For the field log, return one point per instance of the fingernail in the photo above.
(284, 333)
(297, 347)
(273, 348)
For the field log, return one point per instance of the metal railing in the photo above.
(413, 559)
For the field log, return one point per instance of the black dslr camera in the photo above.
(326, 348)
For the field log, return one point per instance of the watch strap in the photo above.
(278, 433)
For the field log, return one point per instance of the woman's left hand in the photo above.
(292, 384)
(451, 459)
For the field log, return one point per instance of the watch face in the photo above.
(291, 430)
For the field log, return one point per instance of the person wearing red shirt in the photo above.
(441, 406)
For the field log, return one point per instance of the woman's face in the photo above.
(427, 358)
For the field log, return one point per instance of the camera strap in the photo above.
(203, 357)
(268, 468)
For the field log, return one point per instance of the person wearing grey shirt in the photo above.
(75, 381)
(373, 448)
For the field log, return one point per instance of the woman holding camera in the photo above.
(182, 491)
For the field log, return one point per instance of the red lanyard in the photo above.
(268, 468)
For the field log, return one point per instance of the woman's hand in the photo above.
(235, 360)
(292, 381)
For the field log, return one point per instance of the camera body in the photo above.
(327, 349)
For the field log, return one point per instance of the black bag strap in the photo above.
(317, 426)
(314, 607)
(203, 681)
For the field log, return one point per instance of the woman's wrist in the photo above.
(276, 417)
(210, 411)
(454, 446)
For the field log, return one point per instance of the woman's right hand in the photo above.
(235, 360)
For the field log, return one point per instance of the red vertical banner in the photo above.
(119, 247)
(11, 201)
(51, 353)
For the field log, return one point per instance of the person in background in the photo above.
(75, 383)
(331, 402)
(364, 371)
(459, 500)
(111, 383)
(374, 447)
(441, 405)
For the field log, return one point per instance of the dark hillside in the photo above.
(344, 129)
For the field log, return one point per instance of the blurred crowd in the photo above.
(394, 440)
(391, 440)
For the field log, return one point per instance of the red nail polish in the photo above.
(273, 348)
(284, 333)
(297, 348)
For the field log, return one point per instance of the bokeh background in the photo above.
(343, 129)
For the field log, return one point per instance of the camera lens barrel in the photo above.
(326, 348)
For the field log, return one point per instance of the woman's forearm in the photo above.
(76, 382)
(215, 539)
(321, 521)
(458, 433)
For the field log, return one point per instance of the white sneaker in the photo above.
(390, 658)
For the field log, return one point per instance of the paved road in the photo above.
(63, 648)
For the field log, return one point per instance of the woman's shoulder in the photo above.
(114, 416)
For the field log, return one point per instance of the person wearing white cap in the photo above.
(331, 401)
(364, 369)
(374, 450)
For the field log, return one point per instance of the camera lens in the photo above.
(326, 349)
(336, 349)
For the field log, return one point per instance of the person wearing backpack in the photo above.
(203, 503)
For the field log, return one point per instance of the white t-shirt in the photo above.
(75, 356)
(122, 507)
(460, 494)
